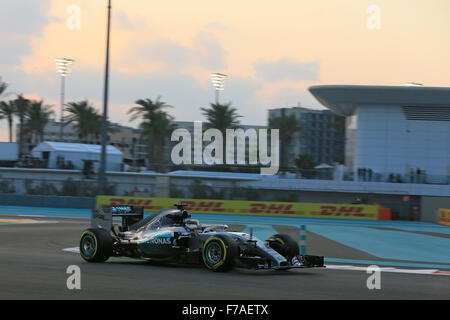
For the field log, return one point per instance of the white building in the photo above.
(394, 130)
(58, 155)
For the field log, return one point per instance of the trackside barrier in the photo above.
(384, 214)
(444, 216)
(24, 200)
(303, 240)
(252, 208)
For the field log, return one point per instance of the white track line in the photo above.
(347, 267)
(24, 221)
(31, 215)
(389, 269)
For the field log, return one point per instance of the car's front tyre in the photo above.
(284, 245)
(95, 245)
(219, 253)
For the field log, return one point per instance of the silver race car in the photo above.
(172, 236)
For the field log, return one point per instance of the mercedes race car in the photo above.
(172, 236)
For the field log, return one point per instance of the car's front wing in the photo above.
(300, 261)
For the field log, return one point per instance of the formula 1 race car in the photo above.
(172, 236)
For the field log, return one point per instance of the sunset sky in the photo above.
(271, 50)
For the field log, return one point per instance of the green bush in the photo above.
(6, 186)
(201, 191)
(44, 188)
(247, 193)
(286, 196)
(83, 188)
(175, 192)
(69, 188)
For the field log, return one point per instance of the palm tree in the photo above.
(305, 163)
(36, 118)
(156, 127)
(95, 124)
(287, 125)
(3, 86)
(86, 118)
(21, 106)
(221, 117)
(7, 112)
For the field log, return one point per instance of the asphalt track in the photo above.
(33, 265)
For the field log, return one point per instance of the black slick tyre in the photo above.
(95, 245)
(284, 245)
(219, 253)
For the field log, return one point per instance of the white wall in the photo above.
(389, 143)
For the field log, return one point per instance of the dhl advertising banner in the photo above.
(444, 216)
(256, 208)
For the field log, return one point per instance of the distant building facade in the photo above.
(395, 133)
(126, 139)
(321, 134)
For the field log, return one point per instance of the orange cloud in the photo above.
(330, 31)
(181, 39)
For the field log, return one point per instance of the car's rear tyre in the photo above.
(284, 245)
(219, 253)
(95, 245)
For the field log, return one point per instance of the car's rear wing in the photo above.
(103, 216)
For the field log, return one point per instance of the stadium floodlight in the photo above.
(413, 84)
(218, 80)
(63, 65)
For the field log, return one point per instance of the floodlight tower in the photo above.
(102, 180)
(218, 80)
(63, 65)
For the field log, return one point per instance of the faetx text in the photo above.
(240, 309)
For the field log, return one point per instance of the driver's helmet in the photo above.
(193, 225)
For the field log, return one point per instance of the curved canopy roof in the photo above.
(344, 99)
(76, 147)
